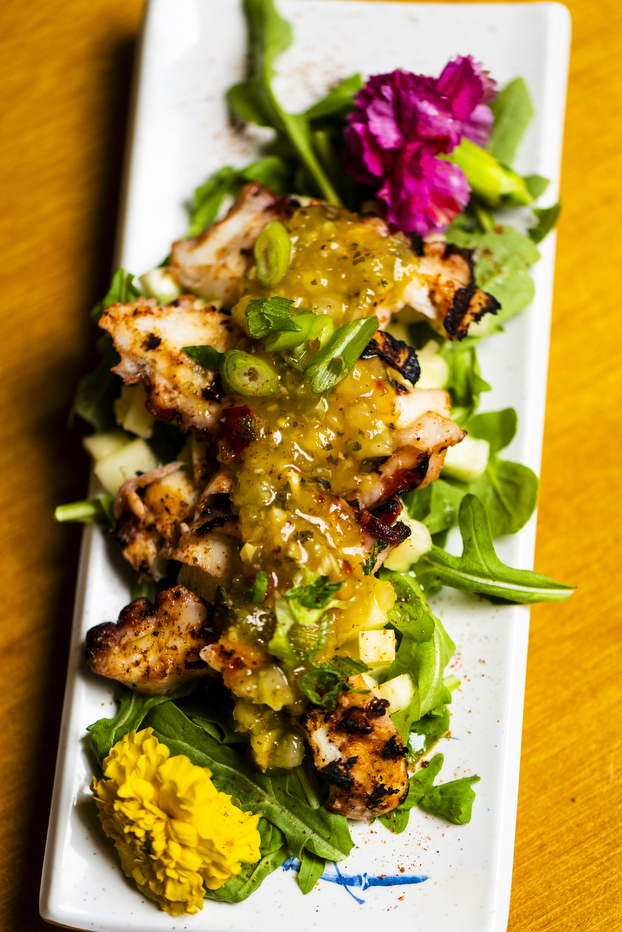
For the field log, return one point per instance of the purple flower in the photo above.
(401, 123)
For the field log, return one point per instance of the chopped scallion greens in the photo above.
(248, 375)
(340, 354)
(273, 250)
(207, 356)
(90, 511)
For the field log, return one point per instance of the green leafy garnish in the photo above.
(122, 290)
(340, 354)
(133, 708)
(270, 315)
(310, 870)
(427, 732)
(465, 384)
(254, 100)
(259, 589)
(480, 570)
(317, 595)
(536, 185)
(90, 511)
(273, 250)
(425, 661)
(502, 268)
(547, 217)
(492, 183)
(271, 171)
(207, 356)
(411, 614)
(452, 801)
(324, 683)
(513, 111)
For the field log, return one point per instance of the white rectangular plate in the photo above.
(192, 51)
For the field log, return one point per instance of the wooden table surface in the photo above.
(65, 72)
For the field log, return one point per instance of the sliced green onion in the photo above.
(273, 250)
(288, 339)
(207, 356)
(339, 355)
(90, 511)
(247, 375)
(269, 315)
(260, 587)
(321, 331)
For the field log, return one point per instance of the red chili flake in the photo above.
(237, 430)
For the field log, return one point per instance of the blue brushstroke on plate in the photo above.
(360, 881)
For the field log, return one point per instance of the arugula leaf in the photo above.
(497, 427)
(122, 290)
(480, 570)
(547, 217)
(318, 594)
(91, 511)
(133, 708)
(509, 492)
(310, 870)
(513, 111)
(279, 798)
(411, 614)
(212, 710)
(270, 315)
(209, 196)
(96, 392)
(339, 101)
(502, 267)
(451, 801)
(254, 100)
(427, 731)
(273, 852)
(207, 356)
(536, 185)
(272, 171)
(465, 383)
(425, 661)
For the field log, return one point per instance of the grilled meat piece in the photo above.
(214, 263)
(396, 353)
(149, 339)
(424, 432)
(444, 288)
(357, 749)
(149, 510)
(154, 648)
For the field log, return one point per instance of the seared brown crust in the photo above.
(357, 749)
(469, 305)
(396, 353)
(149, 510)
(154, 648)
(149, 339)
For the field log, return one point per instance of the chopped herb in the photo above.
(269, 315)
(260, 588)
(317, 594)
(340, 354)
(206, 356)
(372, 559)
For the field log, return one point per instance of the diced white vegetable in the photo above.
(398, 692)
(467, 460)
(101, 445)
(370, 682)
(377, 646)
(402, 558)
(434, 369)
(133, 458)
(160, 284)
(130, 411)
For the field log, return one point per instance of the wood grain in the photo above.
(64, 73)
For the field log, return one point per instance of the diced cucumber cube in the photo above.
(467, 461)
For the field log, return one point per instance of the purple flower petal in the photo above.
(401, 123)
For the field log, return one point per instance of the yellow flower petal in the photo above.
(173, 830)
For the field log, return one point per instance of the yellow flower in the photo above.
(172, 828)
